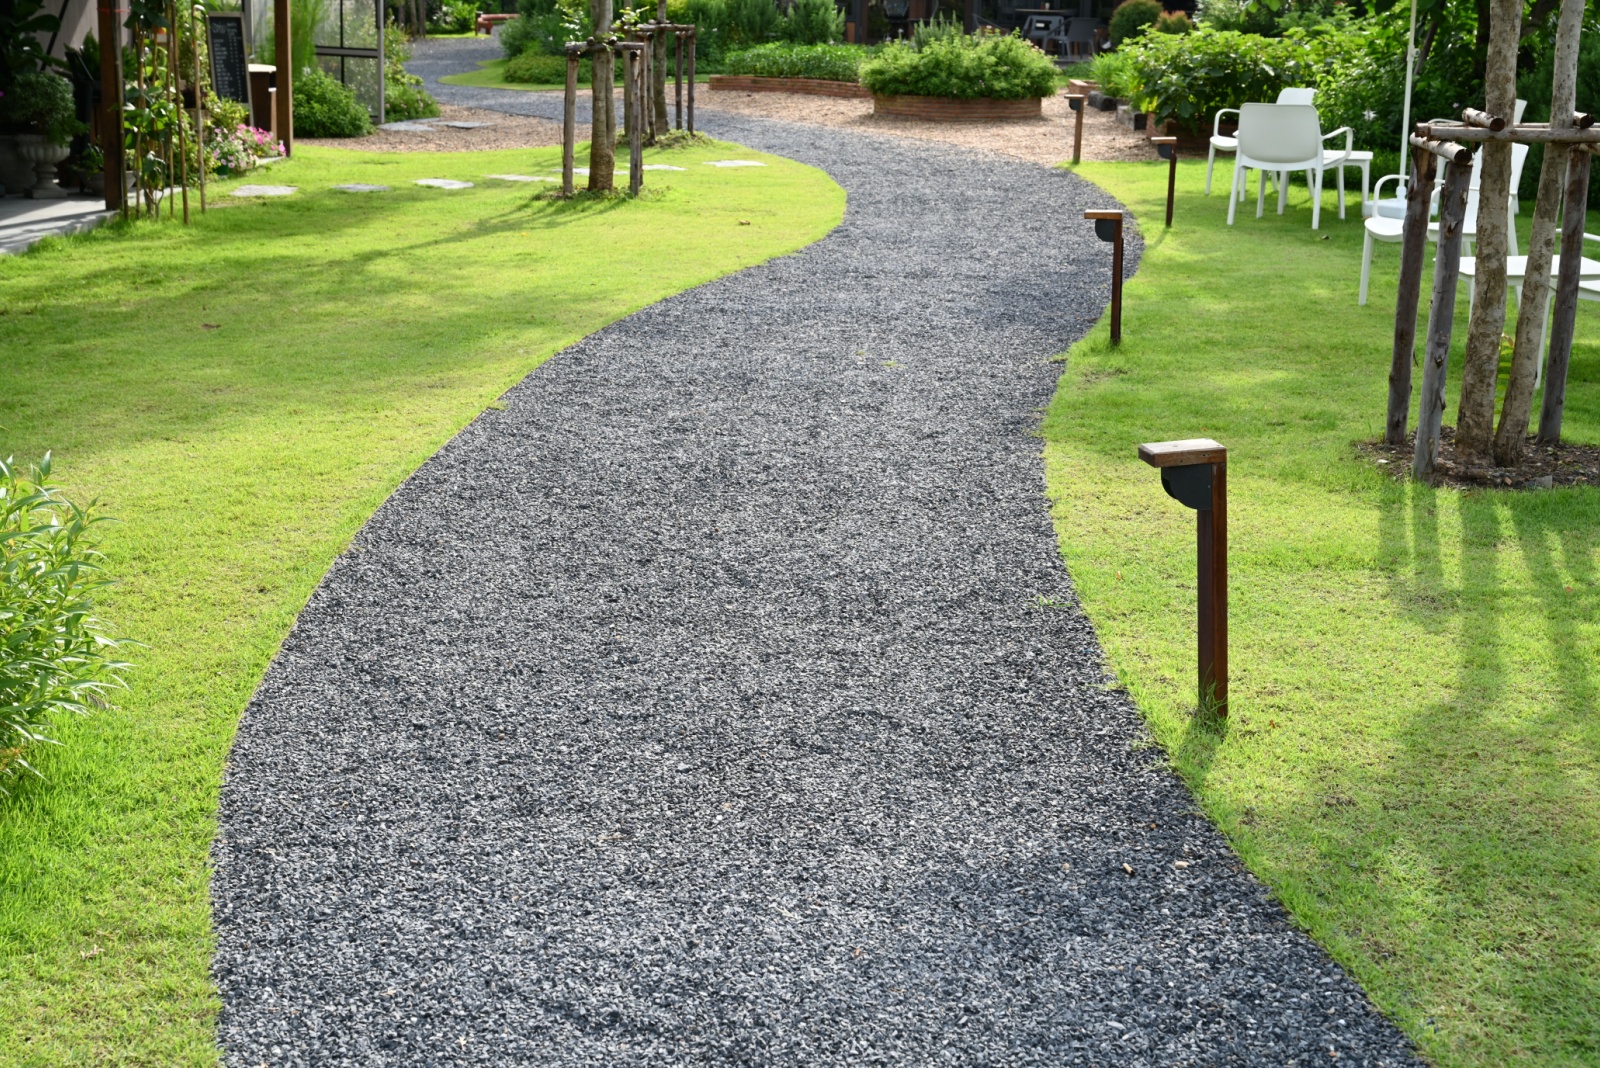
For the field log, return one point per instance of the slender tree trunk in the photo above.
(658, 73)
(1511, 438)
(603, 122)
(1481, 371)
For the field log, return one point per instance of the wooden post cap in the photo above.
(1163, 140)
(1182, 453)
(1102, 215)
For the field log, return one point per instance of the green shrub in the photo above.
(711, 21)
(1131, 17)
(835, 63)
(812, 22)
(966, 68)
(41, 103)
(1116, 74)
(532, 68)
(54, 653)
(324, 107)
(935, 29)
(403, 95)
(456, 16)
(1177, 22)
(544, 26)
(752, 22)
(1189, 77)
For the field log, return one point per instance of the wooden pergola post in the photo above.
(1413, 248)
(285, 75)
(111, 19)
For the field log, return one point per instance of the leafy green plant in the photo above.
(456, 16)
(935, 29)
(835, 63)
(55, 656)
(325, 107)
(1131, 17)
(535, 68)
(1117, 74)
(964, 67)
(812, 22)
(752, 22)
(1188, 77)
(41, 103)
(1175, 22)
(544, 26)
(403, 94)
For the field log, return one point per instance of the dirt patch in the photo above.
(499, 130)
(1543, 467)
(1043, 140)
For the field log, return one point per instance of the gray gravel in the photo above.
(724, 701)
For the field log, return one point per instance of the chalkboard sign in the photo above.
(230, 76)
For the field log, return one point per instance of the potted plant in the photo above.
(39, 107)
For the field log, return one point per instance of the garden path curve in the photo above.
(724, 701)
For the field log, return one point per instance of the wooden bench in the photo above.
(487, 22)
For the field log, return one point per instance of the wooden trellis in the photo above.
(654, 36)
(632, 106)
(1447, 141)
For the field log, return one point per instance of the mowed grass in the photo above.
(241, 395)
(491, 74)
(1413, 757)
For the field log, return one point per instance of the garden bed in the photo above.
(805, 86)
(950, 109)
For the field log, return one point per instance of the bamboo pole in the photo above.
(1441, 317)
(1553, 407)
(1413, 249)
(569, 122)
(177, 93)
(199, 119)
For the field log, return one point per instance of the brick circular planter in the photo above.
(949, 109)
(807, 86)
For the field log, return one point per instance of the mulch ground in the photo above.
(1543, 466)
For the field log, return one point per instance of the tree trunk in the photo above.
(603, 121)
(1557, 363)
(658, 73)
(1441, 317)
(1413, 248)
(1481, 371)
(1515, 411)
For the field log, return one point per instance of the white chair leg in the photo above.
(1211, 161)
(1283, 191)
(1233, 192)
(1366, 184)
(1366, 269)
(1261, 194)
(1341, 191)
(1316, 199)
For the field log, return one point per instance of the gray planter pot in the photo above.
(43, 155)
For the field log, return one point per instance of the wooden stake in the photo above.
(677, 39)
(1076, 102)
(199, 99)
(1553, 407)
(1413, 249)
(1441, 317)
(1108, 227)
(569, 123)
(1168, 149)
(692, 36)
(177, 93)
(636, 65)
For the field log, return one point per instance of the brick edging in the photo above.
(807, 86)
(949, 109)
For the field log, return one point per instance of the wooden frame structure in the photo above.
(1447, 141)
(653, 35)
(633, 106)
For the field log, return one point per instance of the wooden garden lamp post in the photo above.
(1167, 147)
(1108, 227)
(1195, 473)
(1075, 101)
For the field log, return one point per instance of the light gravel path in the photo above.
(724, 701)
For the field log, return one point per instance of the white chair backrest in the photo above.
(1296, 96)
(1519, 156)
(1522, 105)
(1280, 133)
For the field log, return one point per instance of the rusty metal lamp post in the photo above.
(1195, 473)
(1167, 147)
(1108, 227)
(1076, 101)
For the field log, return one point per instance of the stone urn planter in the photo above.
(43, 155)
(950, 109)
(15, 173)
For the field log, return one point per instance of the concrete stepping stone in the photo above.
(406, 127)
(520, 178)
(733, 163)
(264, 191)
(444, 183)
(466, 125)
(361, 187)
(661, 167)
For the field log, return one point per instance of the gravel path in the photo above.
(723, 701)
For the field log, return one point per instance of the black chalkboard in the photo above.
(230, 74)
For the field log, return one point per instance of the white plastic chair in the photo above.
(1390, 231)
(1230, 145)
(1277, 139)
(1079, 40)
(1395, 206)
(1517, 270)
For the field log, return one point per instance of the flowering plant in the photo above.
(240, 150)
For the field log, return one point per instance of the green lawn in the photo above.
(1413, 758)
(491, 74)
(242, 394)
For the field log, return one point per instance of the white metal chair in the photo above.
(1277, 139)
(1222, 143)
(1390, 231)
